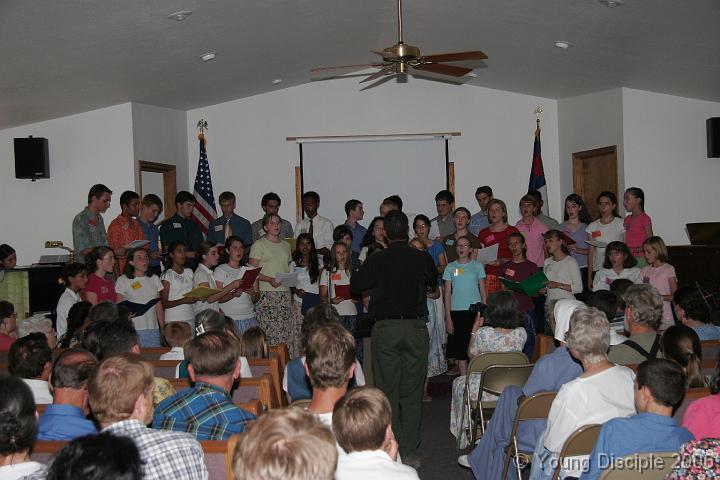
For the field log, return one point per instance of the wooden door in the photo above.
(595, 171)
(169, 182)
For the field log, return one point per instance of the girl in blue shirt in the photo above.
(463, 286)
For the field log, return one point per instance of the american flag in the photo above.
(204, 211)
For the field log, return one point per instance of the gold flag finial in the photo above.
(202, 125)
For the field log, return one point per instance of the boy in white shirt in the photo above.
(362, 426)
(176, 335)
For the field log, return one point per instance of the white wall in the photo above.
(160, 136)
(249, 155)
(666, 155)
(88, 148)
(586, 122)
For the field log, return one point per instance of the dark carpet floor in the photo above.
(438, 451)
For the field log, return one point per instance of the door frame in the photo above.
(169, 173)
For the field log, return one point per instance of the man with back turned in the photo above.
(398, 278)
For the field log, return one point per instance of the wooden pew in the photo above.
(691, 394)
(280, 351)
(165, 368)
(218, 455)
(271, 366)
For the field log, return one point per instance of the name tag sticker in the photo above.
(596, 234)
(136, 285)
(608, 281)
(450, 242)
(336, 277)
(490, 238)
(218, 228)
(458, 271)
(176, 225)
(510, 273)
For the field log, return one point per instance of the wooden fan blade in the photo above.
(379, 82)
(443, 69)
(455, 57)
(320, 69)
(380, 73)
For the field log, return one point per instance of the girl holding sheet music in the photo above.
(207, 257)
(574, 226)
(272, 254)
(607, 228)
(177, 281)
(562, 271)
(335, 286)
(137, 284)
(240, 305)
(306, 294)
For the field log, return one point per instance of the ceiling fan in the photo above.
(401, 59)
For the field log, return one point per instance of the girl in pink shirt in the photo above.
(638, 225)
(100, 287)
(660, 275)
(533, 230)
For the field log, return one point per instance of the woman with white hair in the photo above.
(41, 324)
(550, 373)
(602, 392)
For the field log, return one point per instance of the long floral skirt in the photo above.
(274, 312)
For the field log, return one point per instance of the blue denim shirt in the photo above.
(64, 422)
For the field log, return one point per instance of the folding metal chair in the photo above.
(477, 365)
(535, 407)
(642, 466)
(580, 442)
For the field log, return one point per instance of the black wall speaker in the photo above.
(31, 158)
(713, 137)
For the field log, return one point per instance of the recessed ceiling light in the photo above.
(206, 57)
(612, 3)
(562, 44)
(179, 16)
(276, 81)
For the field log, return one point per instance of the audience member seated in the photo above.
(253, 343)
(213, 321)
(606, 302)
(288, 444)
(176, 334)
(499, 330)
(77, 322)
(551, 372)
(643, 313)
(206, 409)
(97, 457)
(38, 324)
(8, 324)
(18, 426)
(692, 310)
(363, 428)
(30, 358)
(295, 378)
(66, 418)
(121, 395)
(681, 344)
(330, 354)
(602, 392)
(697, 460)
(119, 337)
(660, 385)
(702, 416)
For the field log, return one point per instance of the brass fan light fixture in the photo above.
(401, 59)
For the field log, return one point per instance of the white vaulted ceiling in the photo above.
(68, 56)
